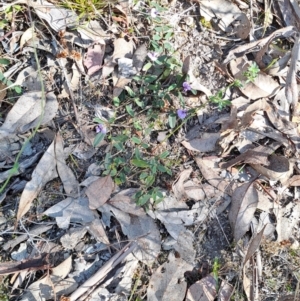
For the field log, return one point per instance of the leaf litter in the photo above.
(238, 176)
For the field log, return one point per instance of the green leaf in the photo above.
(129, 110)
(116, 101)
(150, 180)
(98, 120)
(136, 140)
(172, 87)
(143, 175)
(172, 120)
(156, 37)
(140, 163)
(164, 155)
(18, 89)
(4, 62)
(161, 168)
(138, 102)
(142, 200)
(147, 66)
(129, 91)
(98, 139)
(137, 125)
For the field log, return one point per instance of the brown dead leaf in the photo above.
(243, 206)
(124, 201)
(254, 244)
(167, 282)
(66, 175)
(225, 291)
(94, 57)
(177, 186)
(294, 181)
(258, 155)
(210, 171)
(279, 169)
(232, 20)
(44, 172)
(258, 45)
(287, 218)
(203, 290)
(99, 191)
(207, 143)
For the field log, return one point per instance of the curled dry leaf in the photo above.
(231, 19)
(243, 206)
(57, 17)
(203, 290)
(94, 57)
(259, 155)
(279, 169)
(140, 227)
(254, 244)
(71, 210)
(211, 172)
(99, 191)
(259, 45)
(177, 186)
(27, 111)
(44, 172)
(167, 282)
(207, 143)
(65, 173)
(225, 291)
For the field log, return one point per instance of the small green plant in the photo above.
(7, 82)
(215, 271)
(86, 8)
(252, 72)
(218, 98)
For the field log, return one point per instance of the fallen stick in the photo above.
(103, 271)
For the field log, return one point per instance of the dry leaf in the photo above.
(44, 172)
(63, 269)
(27, 111)
(167, 282)
(259, 45)
(225, 291)
(66, 175)
(210, 171)
(231, 19)
(28, 35)
(57, 17)
(177, 186)
(203, 290)
(243, 206)
(71, 210)
(124, 201)
(142, 228)
(99, 191)
(287, 218)
(254, 244)
(94, 57)
(207, 143)
(279, 169)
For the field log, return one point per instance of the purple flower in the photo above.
(152, 55)
(101, 128)
(186, 87)
(182, 113)
(154, 13)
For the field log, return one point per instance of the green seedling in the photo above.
(215, 271)
(252, 72)
(87, 8)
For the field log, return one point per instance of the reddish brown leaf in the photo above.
(99, 192)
